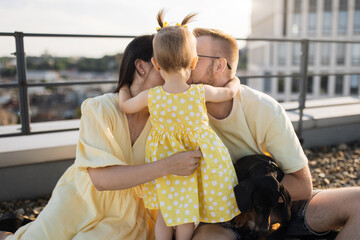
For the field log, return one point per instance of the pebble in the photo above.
(331, 167)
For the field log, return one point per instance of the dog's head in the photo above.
(259, 196)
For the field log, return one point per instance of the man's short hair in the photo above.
(227, 44)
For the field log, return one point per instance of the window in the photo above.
(326, 26)
(354, 84)
(296, 54)
(357, 17)
(324, 85)
(281, 54)
(311, 53)
(310, 84)
(281, 83)
(355, 54)
(343, 15)
(339, 85)
(267, 82)
(295, 80)
(296, 26)
(340, 53)
(312, 18)
(325, 53)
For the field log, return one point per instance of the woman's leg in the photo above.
(4, 235)
(213, 232)
(185, 231)
(162, 232)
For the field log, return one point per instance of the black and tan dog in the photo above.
(257, 196)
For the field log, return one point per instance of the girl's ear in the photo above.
(193, 63)
(220, 65)
(156, 65)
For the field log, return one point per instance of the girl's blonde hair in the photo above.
(174, 46)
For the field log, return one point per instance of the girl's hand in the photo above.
(184, 163)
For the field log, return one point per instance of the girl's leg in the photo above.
(162, 232)
(185, 231)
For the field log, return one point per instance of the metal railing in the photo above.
(23, 85)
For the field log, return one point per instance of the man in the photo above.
(254, 123)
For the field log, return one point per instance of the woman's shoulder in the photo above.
(105, 102)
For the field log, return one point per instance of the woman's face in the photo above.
(153, 77)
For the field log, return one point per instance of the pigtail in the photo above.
(189, 18)
(160, 18)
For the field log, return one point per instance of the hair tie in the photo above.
(178, 24)
(164, 25)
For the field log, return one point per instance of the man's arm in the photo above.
(299, 184)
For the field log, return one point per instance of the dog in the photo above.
(257, 196)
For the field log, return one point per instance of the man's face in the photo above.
(203, 72)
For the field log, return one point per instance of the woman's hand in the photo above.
(184, 163)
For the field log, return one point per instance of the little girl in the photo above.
(180, 123)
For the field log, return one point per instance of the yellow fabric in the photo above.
(258, 124)
(180, 123)
(76, 209)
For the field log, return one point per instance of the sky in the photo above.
(110, 17)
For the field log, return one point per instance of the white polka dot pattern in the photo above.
(180, 123)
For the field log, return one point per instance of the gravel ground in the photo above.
(331, 167)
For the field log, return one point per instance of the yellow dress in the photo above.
(76, 209)
(180, 123)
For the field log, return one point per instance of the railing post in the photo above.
(22, 83)
(303, 85)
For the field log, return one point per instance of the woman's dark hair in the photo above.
(139, 48)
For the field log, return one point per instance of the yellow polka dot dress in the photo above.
(180, 123)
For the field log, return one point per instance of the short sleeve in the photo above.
(283, 144)
(97, 146)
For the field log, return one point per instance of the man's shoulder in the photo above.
(255, 101)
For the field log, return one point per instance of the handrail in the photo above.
(23, 85)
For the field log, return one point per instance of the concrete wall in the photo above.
(31, 165)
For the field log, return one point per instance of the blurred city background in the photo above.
(270, 34)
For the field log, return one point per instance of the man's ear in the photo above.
(193, 63)
(156, 65)
(220, 65)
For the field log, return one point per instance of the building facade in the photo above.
(329, 63)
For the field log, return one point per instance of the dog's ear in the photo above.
(243, 193)
(287, 201)
(285, 195)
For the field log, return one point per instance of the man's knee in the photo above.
(333, 207)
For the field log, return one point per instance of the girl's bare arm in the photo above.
(129, 104)
(221, 94)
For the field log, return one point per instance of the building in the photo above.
(328, 62)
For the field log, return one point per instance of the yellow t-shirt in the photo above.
(76, 209)
(258, 124)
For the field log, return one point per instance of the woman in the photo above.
(86, 202)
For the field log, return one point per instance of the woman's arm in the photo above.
(130, 104)
(127, 176)
(221, 94)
